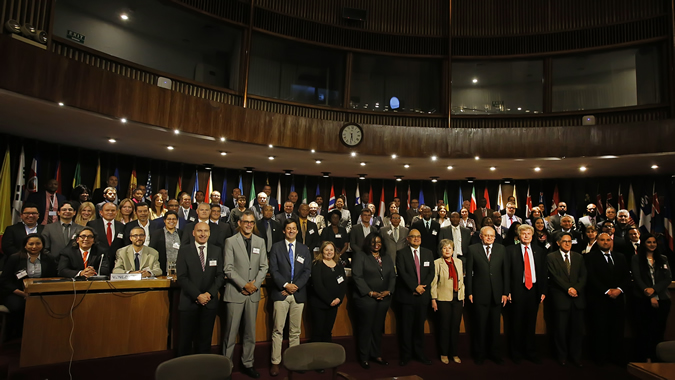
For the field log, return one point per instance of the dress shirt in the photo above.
(34, 269)
(30, 230)
(427, 223)
(569, 256)
(511, 219)
(206, 250)
(146, 228)
(530, 255)
(140, 258)
(457, 239)
(395, 233)
(295, 251)
(604, 254)
(186, 212)
(171, 239)
(366, 230)
(485, 251)
(112, 227)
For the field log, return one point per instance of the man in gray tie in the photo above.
(59, 235)
(394, 236)
(268, 228)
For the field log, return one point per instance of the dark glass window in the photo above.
(620, 78)
(296, 72)
(388, 84)
(497, 87)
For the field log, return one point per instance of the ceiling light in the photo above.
(175, 131)
(450, 167)
(508, 180)
(519, 109)
(222, 139)
(406, 166)
(208, 166)
(325, 174)
(169, 147)
(655, 166)
(363, 164)
(61, 104)
(433, 158)
(393, 155)
(123, 120)
(475, 80)
(223, 153)
(477, 158)
(313, 151)
(318, 161)
(398, 178)
(112, 140)
(537, 169)
(249, 169)
(271, 157)
(583, 168)
(362, 176)
(287, 172)
(492, 168)
(353, 154)
(470, 179)
(434, 179)
(608, 156)
(124, 16)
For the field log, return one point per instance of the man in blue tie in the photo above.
(290, 267)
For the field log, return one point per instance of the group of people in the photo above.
(424, 261)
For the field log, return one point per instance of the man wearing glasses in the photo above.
(245, 269)
(59, 235)
(136, 257)
(14, 234)
(83, 258)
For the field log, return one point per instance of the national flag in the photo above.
(645, 214)
(209, 187)
(5, 194)
(117, 175)
(554, 201)
(656, 205)
(515, 196)
(133, 183)
(223, 193)
(473, 206)
(318, 192)
(97, 180)
(57, 176)
(331, 200)
(667, 222)
(608, 204)
(598, 204)
(20, 185)
(421, 197)
(500, 201)
(32, 183)
(632, 208)
(148, 185)
(542, 201)
(195, 187)
(371, 199)
(241, 187)
(179, 185)
(487, 197)
(77, 176)
(445, 198)
(252, 194)
(279, 194)
(528, 203)
(460, 200)
(382, 206)
(395, 191)
(344, 196)
(304, 192)
(292, 184)
(408, 194)
(357, 197)
(620, 203)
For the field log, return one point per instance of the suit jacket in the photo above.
(377, 222)
(40, 199)
(560, 281)
(442, 285)
(117, 241)
(368, 276)
(194, 281)
(643, 279)
(312, 237)
(470, 224)
(446, 233)
(158, 224)
(429, 238)
(356, 237)
(578, 244)
(17, 262)
(601, 278)
(281, 217)
(505, 220)
(71, 262)
(158, 243)
(280, 270)
(131, 225)
(257, 210)
(554, 222)
(277, 231)
(487, 281)
(392, 246)
(517, 268)
(585, 222)
(240, 269)
(149, 260)
(407, 275)
(55, 241)
(410, 214)
(478, 215)
(13, 237)
(192, 215)
(218, 233)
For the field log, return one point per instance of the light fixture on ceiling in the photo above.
(313, 151)
(112, 140)
(288, 172)
(271, 146)
(433, 158)
(61, 104)
(208, 166)
(362, 176)
(318, 161)
(325, 174)
(449, 167)
(470, 179)
(492, 168)
(583, 168)
(248, 169)
(434, 179)
(271, 158)
(537, 169)
(394, 155)
(123, 120)
(223, 153)
(398, 178)
(363, 164)
(222, 139)
(655, 166)
(176, 131)
(508, 180)
(124, 16)
(475, 80)
(353, 154)
(170, 147)
(406, 166)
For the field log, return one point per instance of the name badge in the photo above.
(665, 266)
(548, 245)
(377, 222)
(340, 280)
(574, 241)
(176, 245)
(426, 263)
(212, 263)
(21, 274)
(52, 213)
(311, 231)
(256, 250)
(73, 237)
(338, 236)
(390, 232)
(120, 236)
(300, 259)
(434, 232)
(192, 218)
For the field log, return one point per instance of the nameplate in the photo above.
(126, 277)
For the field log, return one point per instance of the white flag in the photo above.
(18, 192)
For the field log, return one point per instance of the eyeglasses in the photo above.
(85, 237)
(31, 213)
(566, 241)
(247, 221)
(137, 236)
(415, 236)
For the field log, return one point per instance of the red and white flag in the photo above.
(19, 189)
(382, 206)
(554, 201)
(598, 203)
(656, 206)
(487, 198)
(528, 203)
(331, 200)
(209, 187)
(408, 194)
(608, 204)
(473, 206)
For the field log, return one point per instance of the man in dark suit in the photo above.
(567, 225)
(308, 231)
(482, 211)
(260, 202)
(288, 213)
(14, 234)
(109, 232)
(199, 269)
(267, 189)
(48, 202)
(203, 216)
(356, 210)
(567, 294)
(528, 287)
(97, 196)
(429, 229)
(143, 221)
(59, 235)
(221, 230)
(395, 236)
(360, 231)
(487, 287)
(200, 197)
(608, 278)
(412, 212)
(416, 270)
(461, 237)
(171, 205)
(290, 268)
(555, 221)
(84, 258)
(269, 229)
(185, 211)
(158, 240)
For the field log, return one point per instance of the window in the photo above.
(497, 87)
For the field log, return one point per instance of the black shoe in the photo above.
(379, 361)
(404, 362)
(562, 363)
(364, 364)
(424, 360)
(250, 372)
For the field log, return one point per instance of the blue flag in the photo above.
(421, 197)
(241, 186)
(117, 174)
(195, 188)
(292, 185)
(222, 193)
(461, 199)
(317, 190)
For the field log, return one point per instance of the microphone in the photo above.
(98, 276)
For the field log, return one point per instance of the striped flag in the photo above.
(608, 204)
(195, 187)
(97, 180)
(357, 200)
(382, 206)
(209, 187)
(5, 194)
(304, 192)
(598, 203)
(632, 208)
(445, 198)
(473, 206)
(331, 200)
(133, 183)
(515, 195)
(252, 194)
(148, 185)
(500, 201)
(667, 223)
(554, 201)
(77, 176)
(460, 201)
(19, 188)
(646, 210)
(528, 203)
(179, 186)
(57, 176)
(408, 194)
(279, 194)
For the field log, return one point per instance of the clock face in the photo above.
(351, 135)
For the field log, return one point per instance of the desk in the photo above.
(111, 319)
(652, 371)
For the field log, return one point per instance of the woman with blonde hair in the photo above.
(126, 211)
(85, 213)
(329, 288)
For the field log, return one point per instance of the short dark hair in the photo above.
(366, 210)
(28, 205)
(170, 212)
(561, 234)
(86, 228)
(141, 204)
(213, 205)
(69, 203)
(289, 221)
(22, 250)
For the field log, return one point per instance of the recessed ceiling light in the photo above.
(318, 161)
(362, 176)
(492, 168)
(655, 166)
(223, 153)
(475, 80)
(271, 157)
(287, 172)
(608, 157)
(175, 131)
(406, 166)
(271, 146)
(399, 178)
(313, 151)
(325, 174)
(433, 158)
(222, 139)
(112, 140)
(537, 169)
(434, 179)
(169, 147)
(124, 16)
(61, 104)
(450, 167)
(353, 154)
(249, 169)
(123, 120)
(394, 155)
(477, 158)
(363, 164)
(583, 168)
(519, 109)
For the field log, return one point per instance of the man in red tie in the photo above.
(528, 276)
(84, 257)
(109, 232)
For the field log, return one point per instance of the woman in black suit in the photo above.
(29, 262)
(335, 233)
(652, 276)
(375, 279)
(167, 249)
(512, 235)
(329, 287)
(541, 236)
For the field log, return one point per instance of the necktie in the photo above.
(396, 234)
(201, 256)
(528, 270)
(567, 263)
(291, 258)
(85, 258)
(185, 214)
(487, 251)
(636, 247)
(610, 262)
(66, 232)
(50, 218)
(304, 231)
(484, 212)
(426, 224)
(137, 261)
(108, 234)
(417, 266)
(269, 237)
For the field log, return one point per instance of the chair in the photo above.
(201, 366)
(665, 351)
(4, 311)
(314, 356)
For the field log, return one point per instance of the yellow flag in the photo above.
(5, 194)
(97, 180)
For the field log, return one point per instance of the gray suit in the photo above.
(356, 237)
(241, 269)
(390, 245)
(55, 242)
